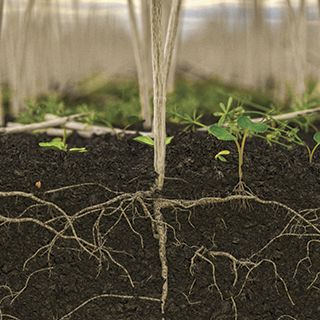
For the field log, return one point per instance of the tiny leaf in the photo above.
(245, 122)
(230, 100)
(56, 144)
(222, 107)
(144, 139)
(221, 154)
(222, 158)
(260, 127)
(221, 133)
(168, 140)
(80, 150)
(316, 137)
(149, 141)
(224, 152)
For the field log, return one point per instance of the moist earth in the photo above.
(284, 285)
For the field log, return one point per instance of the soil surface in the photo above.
(218, 268)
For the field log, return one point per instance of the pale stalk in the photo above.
(1, 100)
(161, 59)
(142, 68)
(171, 36)
(159, 93)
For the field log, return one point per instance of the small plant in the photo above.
(237, 131)
(316, 138)
(190, 121)
(149, 141)
(220, 156)
(236, 125)
(61, 144)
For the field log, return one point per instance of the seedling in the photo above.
(238, 132)
(316, 138)
(190, 121)
(220, 156)
(149, 141)
(61, 144)
(235, 125)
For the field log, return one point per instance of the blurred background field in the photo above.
(64, 56)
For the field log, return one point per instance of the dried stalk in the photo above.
(146, 31)
(161, 59)
(40, 125)
(88, 131)
(1, 29)
(298, 42)
(142, 66)
(19, 77)
(159, 92)
(171, 36)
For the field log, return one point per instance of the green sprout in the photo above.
(220, 155)
(236, 125)
(316, 138)
(190, 121)
(149, 141)
(238, 132)
(60, 144)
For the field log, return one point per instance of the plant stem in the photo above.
(311, 154)
(240, 148)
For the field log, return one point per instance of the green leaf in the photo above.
(229, 103)
(221, 154)
(245, 122)
(145, 139)
(55, 144)
(316, 137)
(222, 158)
(221, 133)
(149, 141)
(168, 140)
(80, 150)
(222, 107)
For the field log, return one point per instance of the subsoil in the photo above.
(123, 165)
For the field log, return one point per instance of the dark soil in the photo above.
(123, 165)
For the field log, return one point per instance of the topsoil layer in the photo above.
(278, 288)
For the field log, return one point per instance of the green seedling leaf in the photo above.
(145, 139)
(222, 107)
(59, 144)
(221, 133)
(316, 137)
(80, 150)
(149, 141)
(245, 122)
(221, 154)
(229, 103)
(55, 144)
(168, 140)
